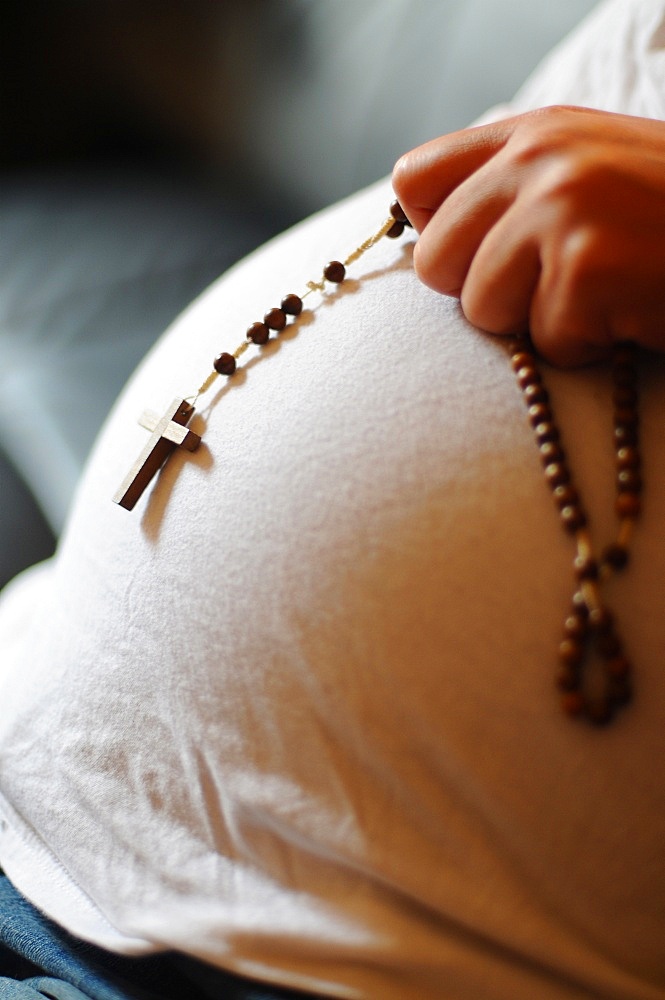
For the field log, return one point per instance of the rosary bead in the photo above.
(565, 496)
(629, 481)
(573, 703)
(625, 435)
(334, 271)
(586, 568)
(536, 393)
(398, 213)
(546, 431)
(628, 505)
(292, 304)
(275, 319)
(521, 359)
(625, 395)
(568, 678)
(573, 518)
(539, 413)
(620, 690)
(628, 458)
(618, 666)
(580, 605)
(395, 230)
(626, 416)
(571, 652)
(575, 626)
(225, 364)
(551, 451)
(528, 375)
(616, 556)
(601, 620)
(557, 474)
(609, 645)
(258, 333)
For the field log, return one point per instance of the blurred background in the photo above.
(146, 145)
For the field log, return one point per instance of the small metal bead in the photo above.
(258, 333)
(224, 364)
(628, 505)
(579, 606)
(334, 271)
(395, 230)
(616, 556)
(275, 319)
(292, 304)
(624, 436)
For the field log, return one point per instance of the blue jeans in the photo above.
(39, 960)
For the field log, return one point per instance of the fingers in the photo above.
(425, 177)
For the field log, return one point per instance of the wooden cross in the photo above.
(168, 432)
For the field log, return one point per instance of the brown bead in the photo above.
(571, 652)
(551, 451)
(575, 626)
(573, 703)
(258, 333)
(521, 359)
(626, 416)
(573, 517)
(557, 474)
(334, 271)
(565, 495)
(609, 645)
(292, 304)
(628, 458)
(616, 556)
(568, 678)
(628, 505)
(601, 620)
(528, 375)
(586, 568)
(275, 319)
(539, 413)
(618, 666)
(620, 690)
(629, 481)
(224, 364)
(546, 431)
(624, 436)
(535, 393)
(398, 213)
(395, 230)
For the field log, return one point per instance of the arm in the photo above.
(553, 221)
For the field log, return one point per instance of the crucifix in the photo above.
(168, 432)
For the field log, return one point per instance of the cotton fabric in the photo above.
(294, 716)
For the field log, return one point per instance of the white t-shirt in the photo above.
(295, 714)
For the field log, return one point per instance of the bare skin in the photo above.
(552, 221)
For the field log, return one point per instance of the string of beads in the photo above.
(590, 625)
(276, 319)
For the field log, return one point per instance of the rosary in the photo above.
(590, 633)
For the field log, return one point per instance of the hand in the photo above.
(552, 221)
